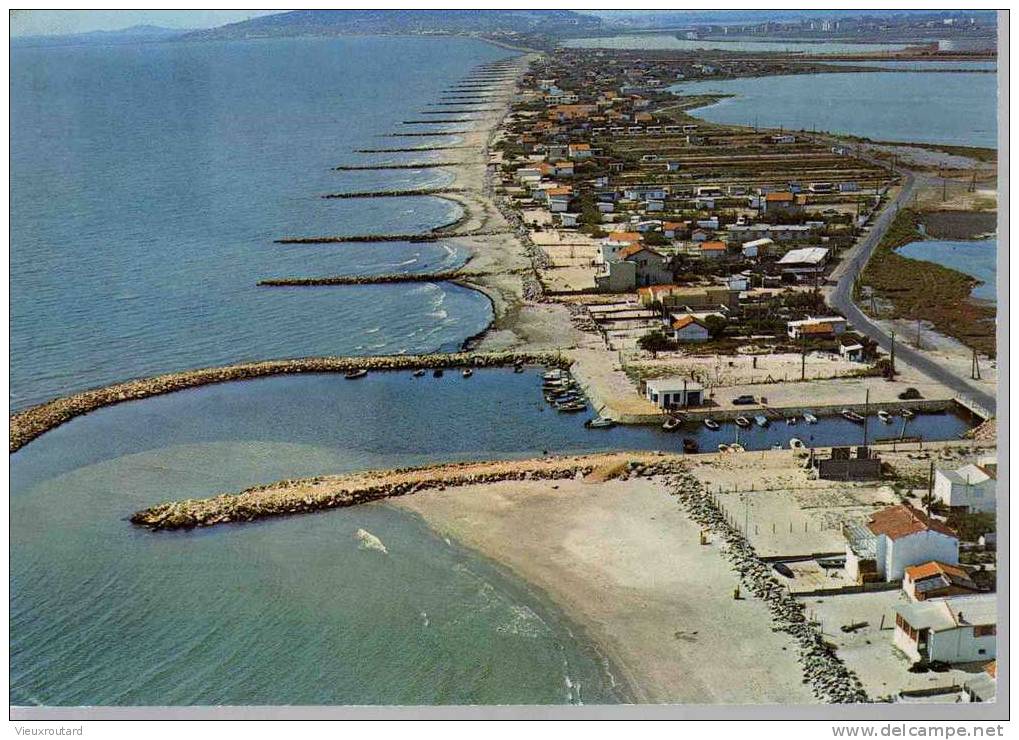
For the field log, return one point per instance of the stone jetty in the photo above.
(394, 277)
(414, 122)
(395, 193)
(28, 424)
(408, 166)
(329, 492)
(823, 670)
(386, 150)
(423, 133)
(428, 236)
(446, 112)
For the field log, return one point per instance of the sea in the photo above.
(908, 106)
(148, 185)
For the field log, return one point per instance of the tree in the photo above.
(715, 325)
(654, 342)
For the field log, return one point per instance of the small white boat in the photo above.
(796, 444)
(736, 448)
(518, 368)
(355, 374)
(742, 421)
(556, 374)
(711, 424)
(723, 447)
(791, 421)
(418, 373)
(907, 414)
(671, 424)
(809, 418)
(599, 422)
(776, 446)
(467, 372)
(762, 421)
(884, 416)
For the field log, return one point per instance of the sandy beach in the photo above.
(622, 559)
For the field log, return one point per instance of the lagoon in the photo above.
(932, 108)
(977, 258)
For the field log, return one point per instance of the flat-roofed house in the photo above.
(958, 630)
(936, 580)
(674, 393)
(969, 488)
(895, 538)
(805, 263)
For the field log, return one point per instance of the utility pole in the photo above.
(893, 354)
(918, 334)
(803, 357)
(866, 417)
(975, 370)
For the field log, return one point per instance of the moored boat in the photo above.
(736, 448)
(355, 374)
(742, 421)
(599, 422)
(418, 373)
(711, 424)
(723, 447)
(884, 416)
(907, 414)
(852, 416)
(791, 421)
(467, 372)
(518, 368)
(761, 420)
(809, 418)
(796, 444)
(571, 407)
(671, 424)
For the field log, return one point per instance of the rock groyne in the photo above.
(28, 424)
(329, 492)
(823, 670)
(423, 133)
(430, 236)
(395, 277)
(395, 193)
(408, 166)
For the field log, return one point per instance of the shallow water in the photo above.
(919, 107)
(670, 41)
(978, 258)
(291, 611)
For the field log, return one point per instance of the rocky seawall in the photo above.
(397, 277)
(823, 670)
(328, 492)
(32, 422)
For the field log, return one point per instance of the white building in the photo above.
(971, 488)
(958, 630)
(689, 329)
(756, 247)
(672, 393)
(814, 326)
(892, 540)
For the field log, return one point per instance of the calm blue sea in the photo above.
(148, 183)
(931, 108)
(291, 611)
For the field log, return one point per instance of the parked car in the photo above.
(745, 400)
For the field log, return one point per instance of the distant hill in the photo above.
(132, 35)
(496, 23)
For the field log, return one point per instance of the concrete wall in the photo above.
(916, 549)
(901, 640)
(961, 646)
(975, 497)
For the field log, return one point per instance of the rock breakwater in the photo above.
(395, 193)
(307, 495)
(32, 422)
(407, 166)
(823, 670)
(396, 277)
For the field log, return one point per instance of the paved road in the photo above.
(841, 298)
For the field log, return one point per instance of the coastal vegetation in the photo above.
(925, 291)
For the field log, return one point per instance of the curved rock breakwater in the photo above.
(430, 236)
(823, 670)
(408, 166)
(307, 495)
(32, 422)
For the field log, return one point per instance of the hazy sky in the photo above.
(44, 22)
